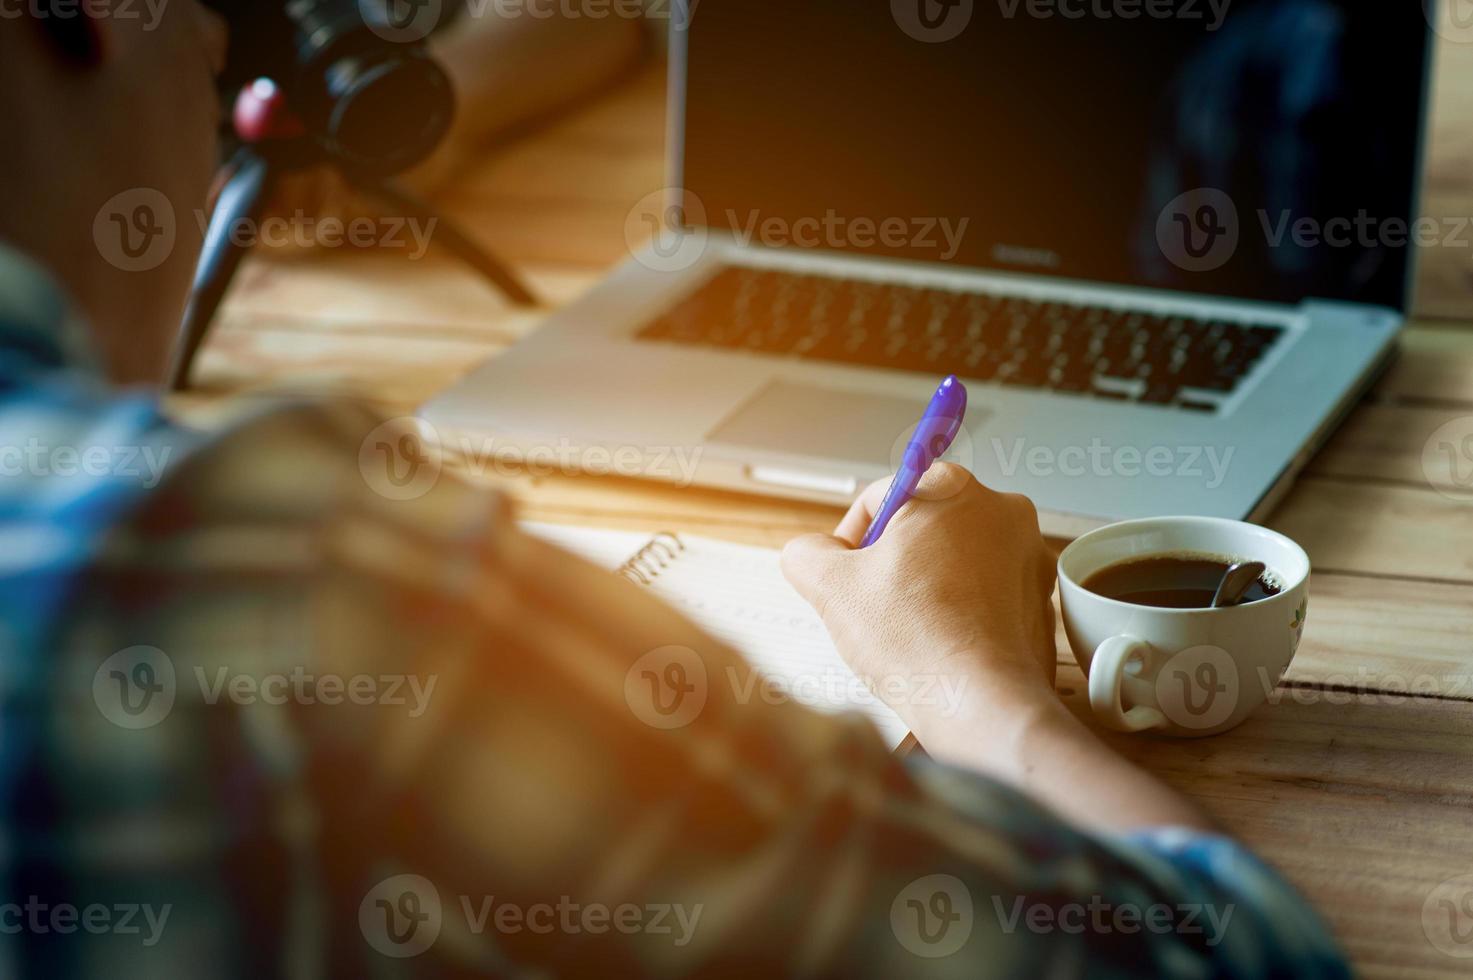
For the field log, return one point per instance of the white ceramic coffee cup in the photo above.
(1188, 672)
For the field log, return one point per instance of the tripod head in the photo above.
(324, 82)
(360, 81)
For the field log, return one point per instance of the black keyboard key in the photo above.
(1009, 339)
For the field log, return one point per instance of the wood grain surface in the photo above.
(1357, 781)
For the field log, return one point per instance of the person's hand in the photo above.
(957, 590)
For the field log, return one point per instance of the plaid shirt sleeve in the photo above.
(319, 729)
(278, 704)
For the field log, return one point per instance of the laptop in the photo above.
(1165, 246)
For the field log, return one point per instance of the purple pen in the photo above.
(940, 424)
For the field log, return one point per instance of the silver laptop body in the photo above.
(1185, 350)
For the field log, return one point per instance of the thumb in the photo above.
(809, 562)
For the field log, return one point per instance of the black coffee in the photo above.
(1171, 581)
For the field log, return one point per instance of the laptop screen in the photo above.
(1264, 149)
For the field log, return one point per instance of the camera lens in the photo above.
(388, 113)
(377, 105)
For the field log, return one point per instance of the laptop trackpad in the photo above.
(823, 423)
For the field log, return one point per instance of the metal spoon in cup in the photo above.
(1236, 581)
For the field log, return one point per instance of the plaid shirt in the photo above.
(269, 710)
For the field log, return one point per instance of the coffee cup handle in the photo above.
(1106, 678)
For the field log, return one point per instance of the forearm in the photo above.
(1012, 727)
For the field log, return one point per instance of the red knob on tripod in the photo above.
(262, 115)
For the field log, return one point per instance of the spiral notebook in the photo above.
(738, 595)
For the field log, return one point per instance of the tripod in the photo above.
(274, 144)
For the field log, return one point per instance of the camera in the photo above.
(354, 72)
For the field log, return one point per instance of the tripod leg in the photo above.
(242, 199)
(449, 235)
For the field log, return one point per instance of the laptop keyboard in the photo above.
(1092, 351)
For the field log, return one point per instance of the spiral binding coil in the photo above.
(648, 562)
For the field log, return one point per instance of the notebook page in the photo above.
(738, 595)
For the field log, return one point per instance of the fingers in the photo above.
(808, 562)
(944, 481)
(854, 523)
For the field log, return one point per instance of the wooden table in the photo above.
(1361, 794)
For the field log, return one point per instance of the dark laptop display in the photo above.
(1061, 145)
